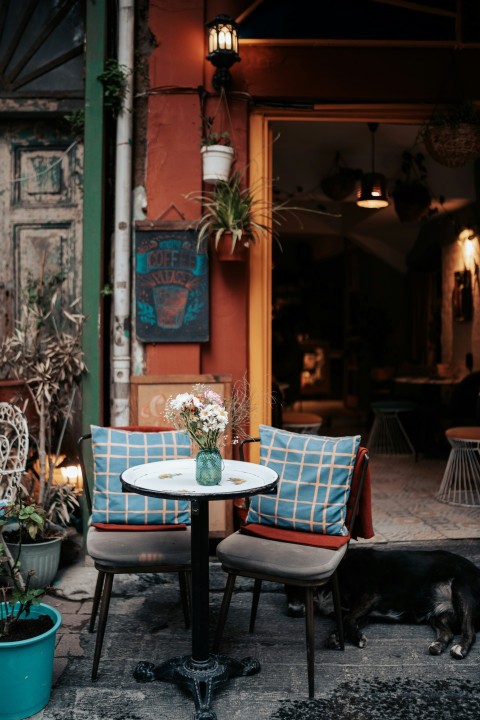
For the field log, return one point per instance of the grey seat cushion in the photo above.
(146, 549)
(242, 554)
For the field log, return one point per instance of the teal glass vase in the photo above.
(208, 470)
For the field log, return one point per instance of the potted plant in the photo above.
(33, 541)
(217, 154)
(340, 181)
(27, 640)
(234, 218)
(411, 195)
(452, 135)
(45, 352)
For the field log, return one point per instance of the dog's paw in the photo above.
(333, 643)
(359, 640)
(296, 609)
(457, 652)
(435, 648)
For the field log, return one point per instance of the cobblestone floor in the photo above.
(405, 511)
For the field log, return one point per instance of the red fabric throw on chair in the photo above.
(359, 509)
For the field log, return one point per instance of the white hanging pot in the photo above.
(217, 162)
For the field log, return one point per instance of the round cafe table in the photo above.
(201, 672)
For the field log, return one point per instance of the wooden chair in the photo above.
(132, 549)
(291, 557)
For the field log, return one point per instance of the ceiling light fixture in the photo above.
(372, 191)
(222, 49)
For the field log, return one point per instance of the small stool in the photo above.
(388, 436)
(301, 422)
(461, 480)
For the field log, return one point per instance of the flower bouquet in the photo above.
(208, 420)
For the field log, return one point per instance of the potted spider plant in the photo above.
(234, 218)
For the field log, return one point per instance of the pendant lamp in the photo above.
(372, 191)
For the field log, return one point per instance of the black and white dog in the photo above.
(423, 586)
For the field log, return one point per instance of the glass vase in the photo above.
(208, 469)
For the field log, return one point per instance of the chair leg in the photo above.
(310, 631)
(227, 596)
(255, 599)
(102, 622)
(96, 600)
(184, 582)
(337, 605)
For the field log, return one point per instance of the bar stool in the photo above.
(461, 480)
(388, 435)
(301, 422)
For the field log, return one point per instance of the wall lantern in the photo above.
(222, 49)
(372, 191)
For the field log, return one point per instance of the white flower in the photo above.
(183, 401)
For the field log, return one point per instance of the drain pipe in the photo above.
(123, 227)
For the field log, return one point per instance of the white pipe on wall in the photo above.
(122, 245)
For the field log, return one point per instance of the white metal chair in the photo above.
(388, 435)
(461, 480)
(13, 449)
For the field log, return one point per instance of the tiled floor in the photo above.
(404, 504)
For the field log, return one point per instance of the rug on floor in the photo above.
(402, 699)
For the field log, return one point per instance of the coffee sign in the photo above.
(171, 287)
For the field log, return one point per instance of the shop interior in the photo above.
(358, 294)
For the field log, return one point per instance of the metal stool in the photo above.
(388, 436)
(301, 422)
(461, 480)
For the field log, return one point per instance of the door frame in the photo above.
(260, 257)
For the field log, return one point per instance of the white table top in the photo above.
(176, 479)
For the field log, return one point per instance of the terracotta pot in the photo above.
(225, 252)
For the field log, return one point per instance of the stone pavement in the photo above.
(393, 677)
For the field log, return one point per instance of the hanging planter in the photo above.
(411, 195)
(452, 135)
(229, 250)
(453, 147)
(340, 181)
(217, 162)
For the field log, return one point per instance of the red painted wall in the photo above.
(177, 69)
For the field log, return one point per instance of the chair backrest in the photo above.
(358, 508)
(13, 449)
(88, 436)
(114, 450)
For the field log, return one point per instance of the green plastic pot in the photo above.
(27, 669)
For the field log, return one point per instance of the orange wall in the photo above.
(310, 75)
(174, 169)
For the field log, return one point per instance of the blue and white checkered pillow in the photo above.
(315, 475)
(116, 450)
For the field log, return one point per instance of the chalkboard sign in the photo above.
(171, 286)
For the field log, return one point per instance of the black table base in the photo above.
(201, 678)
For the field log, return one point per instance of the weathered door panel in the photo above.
(40, 211)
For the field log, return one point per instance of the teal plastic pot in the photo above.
(26, 669)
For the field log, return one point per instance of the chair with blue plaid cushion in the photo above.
(299, 534)
(130, 533)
